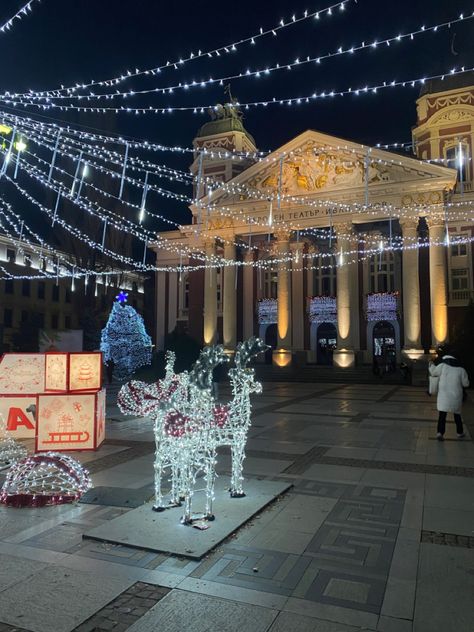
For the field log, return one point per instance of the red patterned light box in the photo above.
(85, 371)
(55, 397)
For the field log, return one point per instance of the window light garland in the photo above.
(382, 306)
(322, 309)
(267, 311)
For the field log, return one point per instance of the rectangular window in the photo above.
(9, 287)
(25, 288)
(8, 317)
(24, 315)
(56, 293)
(459, 279)
(54, 321)
(67, 296)
(67, 322)
(11, 255)
(27, 260)
(40, 320)
(458, 250)
(41, 289)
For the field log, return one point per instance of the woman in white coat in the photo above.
(453, 380)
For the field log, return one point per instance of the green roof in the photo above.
(223, 125)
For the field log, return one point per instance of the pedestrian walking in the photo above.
(453, 379)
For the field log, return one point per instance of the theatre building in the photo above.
(343, 251)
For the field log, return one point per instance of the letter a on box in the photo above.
(16, 417)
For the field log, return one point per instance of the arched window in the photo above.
(382, 272)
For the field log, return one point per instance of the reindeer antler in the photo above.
(247, 350)
(201, 373)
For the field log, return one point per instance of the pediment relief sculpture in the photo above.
(308, 173)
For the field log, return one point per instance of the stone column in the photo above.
(297, 295)
(411, 287)
(282, 356)
(312, 252)
(347, 296)
(210, 296)
(229, 324)
(173, 299)
(438, 281)
(248, 295)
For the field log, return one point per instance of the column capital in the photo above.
(409, 224)
(436, 221)
(343, 228)
(282, 234)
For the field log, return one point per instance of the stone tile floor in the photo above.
(376, 534)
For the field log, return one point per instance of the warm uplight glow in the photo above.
(281, 357)
(343, 358)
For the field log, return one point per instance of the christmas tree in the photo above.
(124, 340)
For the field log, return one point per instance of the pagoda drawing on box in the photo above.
(85, 371)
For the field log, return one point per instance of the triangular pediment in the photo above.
(316, 164)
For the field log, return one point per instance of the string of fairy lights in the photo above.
(229, 48)
(19, 15)
(109, 177)
(248, 73)
(328, 93)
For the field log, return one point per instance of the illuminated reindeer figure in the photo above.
(243, 384)
(189, 425)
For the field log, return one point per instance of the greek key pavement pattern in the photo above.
(345, 564)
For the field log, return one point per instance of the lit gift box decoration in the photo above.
(54, 397)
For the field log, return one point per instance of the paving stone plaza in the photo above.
(375, 534)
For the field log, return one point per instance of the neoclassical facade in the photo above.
(341, 251)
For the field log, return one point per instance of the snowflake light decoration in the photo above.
(44, 479)
(190, 425)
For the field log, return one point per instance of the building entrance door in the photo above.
(384, 347)
(271, 339)
(325, 343)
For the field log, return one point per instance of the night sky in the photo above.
(64, 41)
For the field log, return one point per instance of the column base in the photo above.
(343, 358)
(412, 353)
(282, 357)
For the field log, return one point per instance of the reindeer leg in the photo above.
(158, 466)
(210, 482)
(238, 456)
